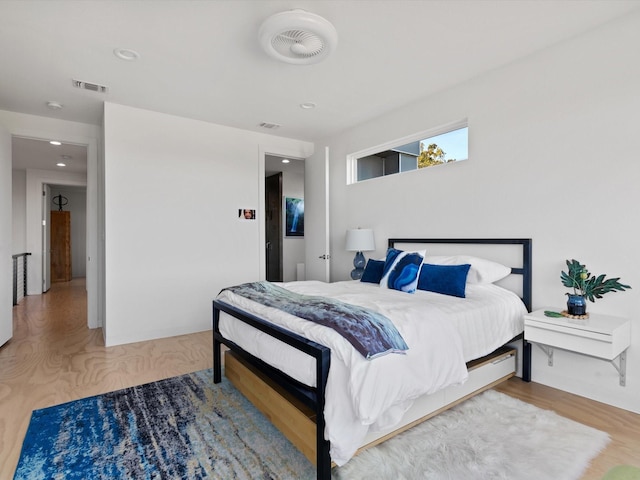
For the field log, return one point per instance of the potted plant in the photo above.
(586, 287)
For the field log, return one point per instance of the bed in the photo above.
(331, 402)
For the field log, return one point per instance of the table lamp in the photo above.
(359, 240)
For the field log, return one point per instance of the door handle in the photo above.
(325, 256)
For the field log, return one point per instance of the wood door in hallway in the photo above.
(60, 246)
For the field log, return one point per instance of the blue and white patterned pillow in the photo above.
(401, 270)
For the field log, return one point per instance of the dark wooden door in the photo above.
(273, 227)
(60, 246)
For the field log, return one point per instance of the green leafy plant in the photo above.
(583, 283)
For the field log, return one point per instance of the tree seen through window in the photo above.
(448, 147)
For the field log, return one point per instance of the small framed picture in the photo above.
(294, 217)
(245, 214)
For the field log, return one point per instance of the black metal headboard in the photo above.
(525, 270)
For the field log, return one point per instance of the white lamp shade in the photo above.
(360, 240)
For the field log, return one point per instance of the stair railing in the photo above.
(19, 276)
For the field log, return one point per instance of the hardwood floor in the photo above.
(623, 426)
(53, 358)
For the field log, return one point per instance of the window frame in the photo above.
(352, 158)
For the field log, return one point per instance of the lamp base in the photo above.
(359, 262)
(356, 273)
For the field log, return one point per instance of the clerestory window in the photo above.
(447, 144)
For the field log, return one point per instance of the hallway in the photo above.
(54, 358)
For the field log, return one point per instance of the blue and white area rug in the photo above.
(188, 428)
(184, 427)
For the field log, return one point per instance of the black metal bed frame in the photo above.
(315, 397)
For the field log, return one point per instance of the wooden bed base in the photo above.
(265, 385)
(297, 422)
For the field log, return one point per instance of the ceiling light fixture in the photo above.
(307, 105)
(285, 160)
(298, 37)
(54, 105)
(55, 142)
(60, 164)
(126, 54)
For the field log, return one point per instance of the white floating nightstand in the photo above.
(599, 336)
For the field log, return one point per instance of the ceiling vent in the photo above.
(298, 37)
(270, 126)
(94, 87)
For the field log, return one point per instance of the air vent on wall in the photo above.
(269, 125)
(94, 87)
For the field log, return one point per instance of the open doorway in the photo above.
(41, 172)
(285, 250)
(66, 233)
(273, 227)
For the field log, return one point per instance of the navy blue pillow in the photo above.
(445, 279)
(373, 271)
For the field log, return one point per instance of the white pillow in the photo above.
(481, 271)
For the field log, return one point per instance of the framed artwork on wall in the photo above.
(246, 214)
(294, 217)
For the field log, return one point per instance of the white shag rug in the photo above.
(490, 436)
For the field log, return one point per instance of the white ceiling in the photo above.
(274, 164)
(202, 60)
(41, 155)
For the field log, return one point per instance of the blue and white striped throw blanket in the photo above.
(371, 333)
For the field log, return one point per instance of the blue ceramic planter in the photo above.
(576, 305)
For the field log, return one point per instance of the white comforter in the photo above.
(442, 333)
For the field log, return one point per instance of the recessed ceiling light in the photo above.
(285, 160)
(55, 142)
(307, 105)
(54, 105)
(60, 164)
(126, 54)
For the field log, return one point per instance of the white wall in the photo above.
(173, 239)
(553, 155)
(6, 269)
(293, 250)
(19, 210)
